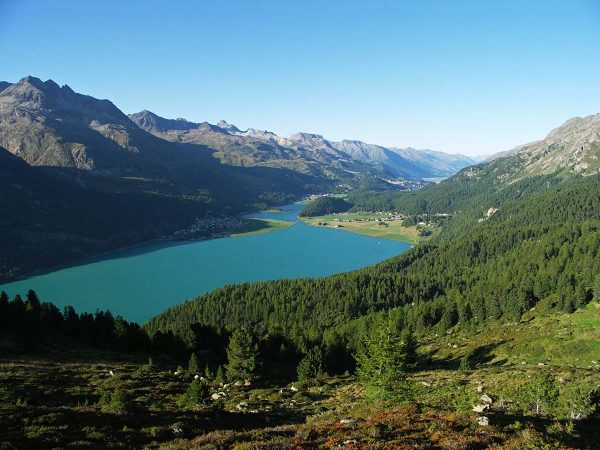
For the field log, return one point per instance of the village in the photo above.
(386, 216)
(210, 228)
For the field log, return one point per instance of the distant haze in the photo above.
(465, 77)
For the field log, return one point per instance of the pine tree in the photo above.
(4, 308)
(193, 366)
(220, 375)
(310, 367)
(242, 356)
(410, 345)
(32, 305)
(382, 364)
(197, 393)
(542, 392)
(120, 333)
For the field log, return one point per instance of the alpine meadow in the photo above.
(174, 283)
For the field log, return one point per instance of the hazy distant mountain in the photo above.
(308, 152)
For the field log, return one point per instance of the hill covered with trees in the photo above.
(325, 205)
(542, 248)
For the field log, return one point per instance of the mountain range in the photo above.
(311, 153)
(88, 178)
(81, 151)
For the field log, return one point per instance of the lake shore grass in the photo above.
(392, 230)
(261, 226)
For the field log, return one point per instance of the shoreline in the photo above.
(102, 255)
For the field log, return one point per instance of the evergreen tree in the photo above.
(4, 308)
(310, 367)
(410, 346)
(193, 365)
(542, 392)
(197, 393)
(596, 288)
(32, 304)
(220, 375)
(120, 333)
(242, 356)
(467, 362)
(382, 364)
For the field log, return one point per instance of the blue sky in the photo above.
(460, 76)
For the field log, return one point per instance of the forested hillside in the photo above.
(46, 221)
(542, 248)
(325, 205)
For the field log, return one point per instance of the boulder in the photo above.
(481, 408)
(347, 421)
(483, 421)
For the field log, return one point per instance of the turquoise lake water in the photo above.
(141, 282)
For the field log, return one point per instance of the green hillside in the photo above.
(543, 248)
(325, 205)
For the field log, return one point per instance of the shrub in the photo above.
(113, 400)
(577, 401)
(467, 362)
(197, 393)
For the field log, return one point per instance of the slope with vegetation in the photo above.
(94, 381)
(519, 252)
(496, 268)
(325, 205)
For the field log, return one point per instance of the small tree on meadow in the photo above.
(242, 356)
(197, 393)
(220, 376)
(542, 392)
(578, 401)
(382, 363)
(193, 365)
(310, 367)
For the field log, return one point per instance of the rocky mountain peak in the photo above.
(149, 121)
(227, 126)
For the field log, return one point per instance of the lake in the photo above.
(141, 282)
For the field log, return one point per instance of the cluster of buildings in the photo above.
(212, 227)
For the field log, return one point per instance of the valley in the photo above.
(461, 315)
(142, 281)
(150, 177)
(331, 267)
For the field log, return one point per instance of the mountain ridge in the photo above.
(406, 163)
